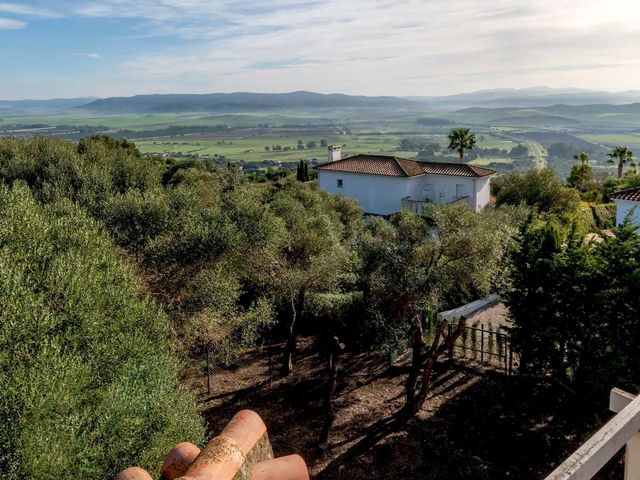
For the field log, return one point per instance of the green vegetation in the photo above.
(91, 232)
(413, 264)
(621, 156)
(539, 189)
(461, 140)
(89, 384)
(575, 306)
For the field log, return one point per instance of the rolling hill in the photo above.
(26, 107)
(528, 97)
(241, 101)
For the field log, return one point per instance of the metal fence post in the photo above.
(449, 333)
(481, 343)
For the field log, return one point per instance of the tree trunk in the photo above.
(620, 167)
(332, 367)
(461, 156)
(416, 363)
(434, 353)
(292, 332)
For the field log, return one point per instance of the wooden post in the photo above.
(208, 375)
(449, 333)
(506, 346)
(481, 343)
(269, 348)
(632, 458)
(510, 359)
(618, 400)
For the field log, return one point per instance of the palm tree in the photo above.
(621, 155)
(461, 140)
(583, 158)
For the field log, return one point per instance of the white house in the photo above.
(383, 185)
(627, 201)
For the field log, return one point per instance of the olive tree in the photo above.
(413, 264)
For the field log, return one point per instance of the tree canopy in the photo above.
(461, 140)
(89, 383)
(539, 189)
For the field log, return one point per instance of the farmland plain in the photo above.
(279, 138)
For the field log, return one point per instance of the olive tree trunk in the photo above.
(442, 342)
(297, 310)
(332, 367)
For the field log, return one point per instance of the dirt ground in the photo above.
(477, 424)
(496, 315)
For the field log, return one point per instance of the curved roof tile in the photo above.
(632, 194)
(402, 167)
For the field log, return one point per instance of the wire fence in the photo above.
(484, 344)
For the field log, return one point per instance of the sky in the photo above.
(67, 48)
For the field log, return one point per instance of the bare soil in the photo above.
(477, 424)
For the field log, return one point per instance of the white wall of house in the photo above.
(382, 195)
(623, 207)
(376, 194)
(483, 193)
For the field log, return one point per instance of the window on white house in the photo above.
(459, 190)
(339, 183)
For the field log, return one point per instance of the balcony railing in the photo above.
(415, 205)
(621, 430)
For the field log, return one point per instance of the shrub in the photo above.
(89, 382)
(540, 189)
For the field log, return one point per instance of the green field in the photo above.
(613, 139)
(488, 160)
(249, 137)
(252, 149)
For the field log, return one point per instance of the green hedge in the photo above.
(604, 215)
(88, 383)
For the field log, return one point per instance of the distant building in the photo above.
(383, 185)
(627, 201)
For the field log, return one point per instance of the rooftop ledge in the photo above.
(241, 452)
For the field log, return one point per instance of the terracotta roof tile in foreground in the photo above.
(631, 194)
(241, 452)
(402, 167)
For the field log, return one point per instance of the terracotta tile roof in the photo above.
(455, 169)
(632, 194)
(401, 167)
(372, 164)
(241, 452)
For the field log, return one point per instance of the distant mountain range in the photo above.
(528, 97)
(229, 102)
(26, 107)
(250, 102)
(561, 109)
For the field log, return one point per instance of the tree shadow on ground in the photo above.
(477, 425)
(497, 428)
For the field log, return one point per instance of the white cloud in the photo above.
(407, 46)
(95, 56)
(29, 10)
(374, 46)
(10, 24)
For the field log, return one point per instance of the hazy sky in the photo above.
(69, 48)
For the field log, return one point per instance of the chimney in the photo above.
(334, 153)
